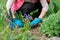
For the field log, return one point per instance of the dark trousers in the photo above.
(28, 7)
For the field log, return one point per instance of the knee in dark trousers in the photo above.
(28, 7)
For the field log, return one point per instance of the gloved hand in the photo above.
(12, 25)
(18, 22)
(35, 22)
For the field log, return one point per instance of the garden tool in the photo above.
(26, 9)
(28, 17)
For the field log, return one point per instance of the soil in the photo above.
(40, 36)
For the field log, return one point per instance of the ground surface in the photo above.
(40, 36)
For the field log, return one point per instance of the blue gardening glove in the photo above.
(35, 22)
(18, 22)
(12, 25)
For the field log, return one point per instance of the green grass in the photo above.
(53, 7)
(51, 24)
(2, 19)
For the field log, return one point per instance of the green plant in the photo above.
(3, 4)
(23, 34)
(51, 25)
(2, 18)
(53, 7)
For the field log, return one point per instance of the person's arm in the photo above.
(44, 9)
(43, 12)
(9, 4)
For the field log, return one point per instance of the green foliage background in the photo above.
(51, 24)
(54, 6)
(2, 14)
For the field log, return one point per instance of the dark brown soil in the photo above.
(40, 36)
